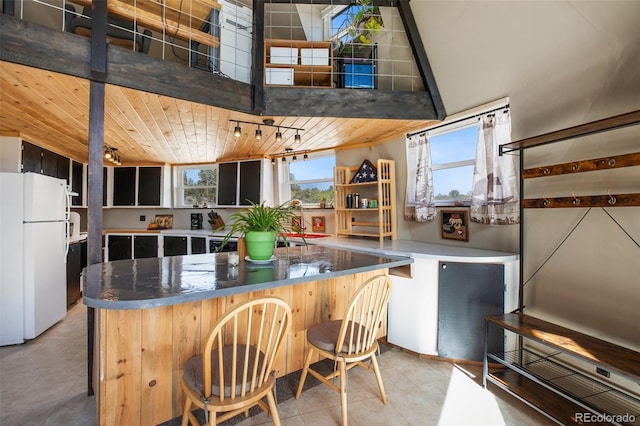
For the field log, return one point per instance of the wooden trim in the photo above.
(622, 120)
(604, 163)
(613, 200)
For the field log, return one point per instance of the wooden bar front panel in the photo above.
(140, 353)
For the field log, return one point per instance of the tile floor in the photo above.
(43, 382)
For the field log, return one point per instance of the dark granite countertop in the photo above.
(165, 281)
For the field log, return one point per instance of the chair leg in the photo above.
(305, 370)
(343, 390)
(376, 369)
(273, 409)
(186, 412)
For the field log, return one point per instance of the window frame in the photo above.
(180, 187)
(446, 129)
(288, 182)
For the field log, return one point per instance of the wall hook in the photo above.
(576, 200)
(575, 167)
(612, 199)
(545, 202)
(545, 170)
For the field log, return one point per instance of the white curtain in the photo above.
(496, 195)
(419, 202)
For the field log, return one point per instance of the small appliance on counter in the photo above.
(196, 220)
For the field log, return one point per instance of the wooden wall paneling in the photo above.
(186, 344)
(123, 347)
(156, 363)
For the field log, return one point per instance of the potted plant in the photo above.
(259, 225)
(363, 21)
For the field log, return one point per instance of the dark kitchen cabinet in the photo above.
(467, 293)
(31, 158)
(124, 186)
(74, 267)
(149, 185)
(119, 247)
(228, 184)
(145, 246)
(198, 245)
(104, 186)
(175, 246)
(77, 172)
(249, 183)
(55, 165)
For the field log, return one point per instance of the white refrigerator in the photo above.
(34, 212)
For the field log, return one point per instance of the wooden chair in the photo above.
(236, 369)
(351, 340)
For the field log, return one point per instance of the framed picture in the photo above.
(317, 223)
(164, 221)
(455, 224)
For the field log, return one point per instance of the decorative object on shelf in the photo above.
(366, 173)
(455, 224)
(317, 223)
(259, 225)
(164, 221)
(267, 122)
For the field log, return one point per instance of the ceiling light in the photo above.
(237, 131)
(305, 157)
(107, 152)
(297, 138)
(284, 159)
(278, 135)
(294, 158)
(258, 133)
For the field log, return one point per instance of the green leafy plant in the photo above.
(364, 21)
(262, 218)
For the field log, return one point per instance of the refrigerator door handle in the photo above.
(67, 215)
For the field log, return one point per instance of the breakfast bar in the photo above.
(153, 314)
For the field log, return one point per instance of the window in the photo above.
(453, 158)
(311, 181)
(197, 186)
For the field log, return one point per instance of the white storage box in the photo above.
(283, 55)
(314, 56)
(280, 76)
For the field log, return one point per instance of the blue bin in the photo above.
(359, 76)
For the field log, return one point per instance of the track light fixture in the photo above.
(288, 152)
(112, 155)
(237, 131)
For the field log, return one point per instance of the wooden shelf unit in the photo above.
(550, 382)
(378, 222)
(317, 76)
(537, 379)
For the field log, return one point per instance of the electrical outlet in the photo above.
(143, 218)
(603, 372)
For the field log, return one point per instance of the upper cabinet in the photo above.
(245, 182)
(140, 186)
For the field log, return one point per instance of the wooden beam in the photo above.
(292, 101)
(156, 22)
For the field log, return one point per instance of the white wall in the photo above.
(561, 64)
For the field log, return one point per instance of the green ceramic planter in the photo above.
(260, 244)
